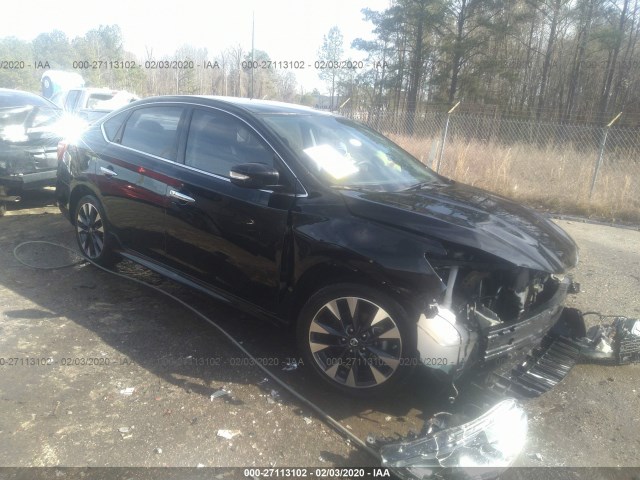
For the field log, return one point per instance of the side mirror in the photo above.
(254, 175)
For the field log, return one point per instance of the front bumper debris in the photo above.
(543, 369)
(614, 344)
(528, 374)
(484, 447)
(491, 441)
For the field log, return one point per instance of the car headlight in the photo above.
(493, 440)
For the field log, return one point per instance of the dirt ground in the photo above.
(99, 335)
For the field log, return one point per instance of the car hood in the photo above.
(471, 217)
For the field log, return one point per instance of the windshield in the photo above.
(348, 155)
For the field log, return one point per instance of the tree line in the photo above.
(574, 61)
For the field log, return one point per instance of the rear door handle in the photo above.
(181, 196)
(108, 172)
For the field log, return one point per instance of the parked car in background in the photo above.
(91, 104)
(29, 136)
(312, 220)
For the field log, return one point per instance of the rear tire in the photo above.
(92, 233)
(356, 339)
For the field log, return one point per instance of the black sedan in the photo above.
(312, 220)
(29, 136)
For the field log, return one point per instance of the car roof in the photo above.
(20, 98)
(250, 105)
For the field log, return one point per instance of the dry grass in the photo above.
(552, 177)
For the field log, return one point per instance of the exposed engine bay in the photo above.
(489, 312)
(493, 297)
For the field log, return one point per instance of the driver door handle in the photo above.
(108, 172)
(181, 196)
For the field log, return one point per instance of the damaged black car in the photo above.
(309, 219)
(29, 136)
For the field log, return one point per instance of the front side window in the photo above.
(345, 154)
(218, 141)
(154, 130)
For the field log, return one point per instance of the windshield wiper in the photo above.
(420, 186)
(349, 187)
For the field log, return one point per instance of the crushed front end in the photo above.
(500, 323)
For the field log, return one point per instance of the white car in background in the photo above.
(91, 104)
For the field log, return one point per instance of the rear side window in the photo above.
(218, 141)
(154, 130)
(112, 126)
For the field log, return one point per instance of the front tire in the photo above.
(357, 339)
(91, 232)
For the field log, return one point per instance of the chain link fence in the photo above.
(578, 169)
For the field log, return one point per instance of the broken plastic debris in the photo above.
(219, 393)
(127, 391)
(635, 328)
(123, 429)
(228, 434)
(603, 346)
(157, 450)
(307, 420)
(290, 365)
(387, 418)
(617, 343)
(200, 465)
(491, 441)
(275, 394)
(263, 381)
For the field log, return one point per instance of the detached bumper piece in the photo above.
(488, 445)
(615, 344)
(530, 373)
(542, 370)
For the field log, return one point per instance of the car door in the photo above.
(227, 236)
(134, 172)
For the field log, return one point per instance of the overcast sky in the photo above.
(285, 29)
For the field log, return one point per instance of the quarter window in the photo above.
(112, 126)
(218, 141)
(154, 130)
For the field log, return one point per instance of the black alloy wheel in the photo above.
(357, 340)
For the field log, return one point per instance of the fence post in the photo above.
(444, 136)
(601, 153)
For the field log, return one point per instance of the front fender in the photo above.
(380, 254)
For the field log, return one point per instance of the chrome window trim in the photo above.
(104, 135)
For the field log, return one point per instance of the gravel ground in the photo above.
(106, 335)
